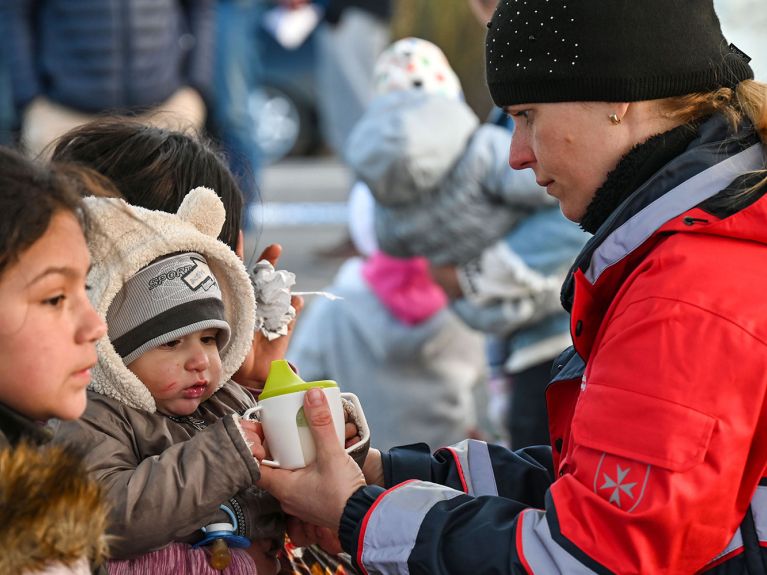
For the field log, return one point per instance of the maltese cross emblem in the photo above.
(618, 486)
(622, 481)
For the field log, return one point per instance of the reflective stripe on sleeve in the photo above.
(736, 544)
(538, 551)
(759, 511)
(391, 526)
(474, 467)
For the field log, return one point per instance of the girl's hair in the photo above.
(31, 194)
(154, 167)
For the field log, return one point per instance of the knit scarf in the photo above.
(404, 287)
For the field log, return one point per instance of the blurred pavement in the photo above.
(304, 209)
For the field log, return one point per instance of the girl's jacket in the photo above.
(165, 477)
(658, 417)
(53, 514)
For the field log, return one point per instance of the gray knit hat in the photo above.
(170, 298)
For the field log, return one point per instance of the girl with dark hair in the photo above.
(154, 167)
(48, 334)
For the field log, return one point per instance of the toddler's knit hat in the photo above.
(170, 298)
(413, 63)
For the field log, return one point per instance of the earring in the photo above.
(614, 119)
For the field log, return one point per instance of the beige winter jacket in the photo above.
(165, 477)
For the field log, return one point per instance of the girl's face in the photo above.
(181, 373)
(571, 147)
(48, 328)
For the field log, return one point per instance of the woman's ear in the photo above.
(239, 247)
(618, 111)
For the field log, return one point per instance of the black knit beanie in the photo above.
(607, 50)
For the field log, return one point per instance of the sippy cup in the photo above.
(281, 412)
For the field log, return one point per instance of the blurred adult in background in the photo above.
(72, 59)
(7, 117)
(482, 9)
(392, 340)
(237, 69)
(496, 241)
(349, 42)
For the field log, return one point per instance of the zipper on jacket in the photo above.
(688, 221)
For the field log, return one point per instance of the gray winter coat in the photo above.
(416, 381)
(443, 186)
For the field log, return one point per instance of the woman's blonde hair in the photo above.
(748, 100)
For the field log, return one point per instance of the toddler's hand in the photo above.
(373, 468)
(354, 431)
(351, 433)
(255, 368)
(264, 555)
(254, 437)
(303, 534)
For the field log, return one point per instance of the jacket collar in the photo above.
(16, 427)
(635, 168)
(709, 164)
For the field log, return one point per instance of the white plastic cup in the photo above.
(287, 432)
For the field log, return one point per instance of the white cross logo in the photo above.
(617, 485)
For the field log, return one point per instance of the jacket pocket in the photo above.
(641, 427)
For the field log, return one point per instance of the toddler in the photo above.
(161, 430)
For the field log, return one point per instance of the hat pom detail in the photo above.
(204, 210)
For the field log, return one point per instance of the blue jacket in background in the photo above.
(97, 55)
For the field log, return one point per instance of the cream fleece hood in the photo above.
(126, 238)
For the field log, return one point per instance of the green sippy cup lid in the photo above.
(282, 380)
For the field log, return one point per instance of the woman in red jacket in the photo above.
(649, 130)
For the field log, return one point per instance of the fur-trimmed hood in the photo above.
(125, 239)
(52, 514)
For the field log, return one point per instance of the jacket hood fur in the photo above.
(125, 239)
(51, 512)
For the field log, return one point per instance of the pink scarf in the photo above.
(404, 286)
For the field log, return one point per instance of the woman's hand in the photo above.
(255, 369)
(317, 493)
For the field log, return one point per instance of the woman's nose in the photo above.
(521, 155)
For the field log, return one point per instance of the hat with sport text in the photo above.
(168, 299)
